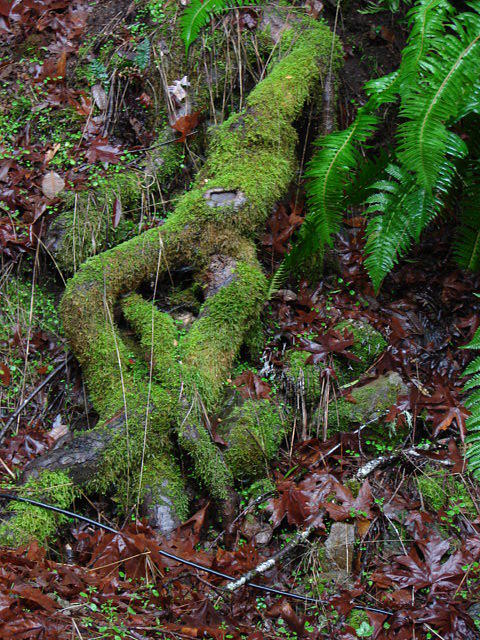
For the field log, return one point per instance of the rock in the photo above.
(286, 295)
(339, 546)
(261, 532)
(305, 379)
(369, 344)
(372, 401)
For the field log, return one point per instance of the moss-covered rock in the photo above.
(256, 430)
(306, 379)
(370, 403)
(368, 345)
(29, 522)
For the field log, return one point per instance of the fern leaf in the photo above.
(437, 99)
(427, 22)
(327, 175)
(403, 211)
(277, 280)
(472, 403)
(197, 14)
(467, 243)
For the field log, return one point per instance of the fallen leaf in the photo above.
(5, 375)
(185, 125)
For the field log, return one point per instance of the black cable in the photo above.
(171, 556)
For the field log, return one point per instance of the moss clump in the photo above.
(254, 439)
(212, 343)
(441, 490)
(86, 226)
(29, 522)
(371, 402)
(368, 345)
(305, 378)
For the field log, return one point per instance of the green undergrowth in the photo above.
(442, 490)
(25, 312)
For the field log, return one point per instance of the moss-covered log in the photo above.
(213, 228)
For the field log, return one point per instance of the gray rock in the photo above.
(339, 546)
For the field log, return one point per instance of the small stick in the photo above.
(18, 411)
(298, 538)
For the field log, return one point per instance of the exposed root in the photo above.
(250, 164)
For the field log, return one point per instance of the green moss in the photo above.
(29, 522)
(371, 402)
(158, 338)
(162, 481)
(254, 439)
(441, 490)
(215, 338)
(187, 298)
(369, 344)
(86, 225)
(304, 377)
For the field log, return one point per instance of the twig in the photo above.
(416, 452)
(298, 538)
(18, 411)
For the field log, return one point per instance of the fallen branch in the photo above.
(299, 537)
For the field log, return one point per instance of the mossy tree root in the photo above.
(250, 164)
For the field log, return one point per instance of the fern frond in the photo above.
(436, 99)
(427, 23)
(466, 246)
(277, 280)
(197, 14)
(327, 174)
(402, 211)
(472, 403)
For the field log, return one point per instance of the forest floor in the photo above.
(408, 524)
